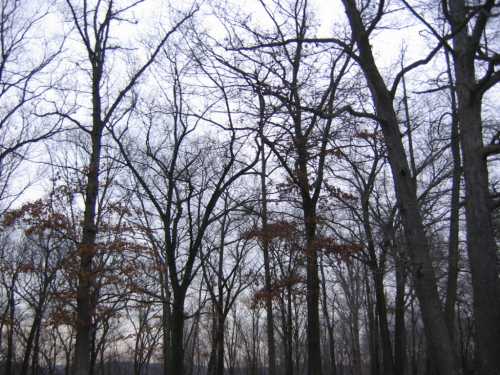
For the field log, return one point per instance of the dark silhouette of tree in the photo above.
(94, 26)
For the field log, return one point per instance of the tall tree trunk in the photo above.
(372, 330)
(380, 300)
(3, 319)
(312, 295)
(213, 351)
(35, 326)
(220, 344)
(35, 360)
(314, 366)
(176, 355)
(328, 321)
(453, 241)
(86, 249)
(271, 352)
(9, 358)
(287, 327)
(399, 320)
(308, 201)
(165, 319)
(414, 350)
(481, 244)
(422, 270)
(356, 346)
(216, 360)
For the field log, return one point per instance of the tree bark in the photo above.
(165, 318)
(314, 366)
(176, 355)
(453, 241)
(86, 249)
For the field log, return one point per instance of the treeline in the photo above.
(263, 188)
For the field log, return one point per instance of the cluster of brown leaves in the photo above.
(330, 246)
(26, 268)
(263, 295)
(366, 135)
(277, 230)
(36, 218)
(59, 317)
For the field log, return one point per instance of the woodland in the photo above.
(268, 187)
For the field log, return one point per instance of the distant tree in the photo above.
(226, 277)
(26, 60)
(11, 268)
(147, 331)
(47, 235)
(182, 190)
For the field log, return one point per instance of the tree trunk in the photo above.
(86, 249)
(220, 344)
(35, 361)
(414, 352)
(312, 297)
(399, 320)
(314, 366)
(271, 352)
(380, 300)
(216, 361)
(422, 270)
(287, 326)
(356, 347)
(453, 241)
(9, 358)
(481, 245)
(372, 331)
(176, 356)
(166, 319)
(328, 321)
(35, 326)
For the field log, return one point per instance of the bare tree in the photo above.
(187, 202)
(94, 25)
(25, 62)
(302, 121)
(226, 277)
(481, 244)
(471, 52)
(424, 279)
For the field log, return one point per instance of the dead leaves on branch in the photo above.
(292, 283)
(289, 231)
(278, 230)
(37, 218)
(330, 245)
